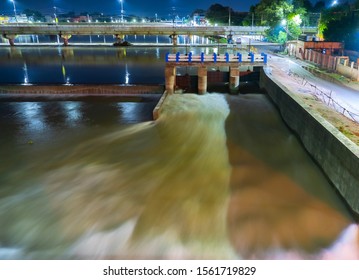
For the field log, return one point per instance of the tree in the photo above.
(199, 12)
(283, 17)
(37, 16)
(340, 25)
(217, 13)
(319, 7)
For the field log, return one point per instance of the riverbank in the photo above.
(335, 154)
(327, 93)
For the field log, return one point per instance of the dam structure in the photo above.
(202, 62)
(337, 156)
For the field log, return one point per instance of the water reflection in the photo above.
(33, 117)
(82, 65)
(73, 112)
(214, 177)
(26, 76)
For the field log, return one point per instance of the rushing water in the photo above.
(215, 177)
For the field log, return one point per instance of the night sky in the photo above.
(139, 7)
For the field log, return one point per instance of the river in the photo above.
(215, 177)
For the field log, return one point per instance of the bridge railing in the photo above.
(227, 58)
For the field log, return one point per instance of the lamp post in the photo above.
(13, 2)
(121, 1)
(55, 15)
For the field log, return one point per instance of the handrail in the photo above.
(228, 58)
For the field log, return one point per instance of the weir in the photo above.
(202, 62)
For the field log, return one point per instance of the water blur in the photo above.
(215, 177)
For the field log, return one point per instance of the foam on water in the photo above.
(146, 191)
(214, 177)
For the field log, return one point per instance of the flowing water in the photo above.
(215, 177)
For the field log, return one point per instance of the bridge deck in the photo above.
(128, 29)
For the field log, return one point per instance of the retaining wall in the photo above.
(336, 155)
(82, 89)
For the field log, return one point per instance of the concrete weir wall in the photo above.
(336, 154)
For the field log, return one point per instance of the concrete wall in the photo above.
(335, 154)
(83, 89)
(348, 70)
(326, 61)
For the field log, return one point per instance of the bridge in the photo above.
(10, 31)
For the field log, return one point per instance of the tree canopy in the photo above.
(285, 17)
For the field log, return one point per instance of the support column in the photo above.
(66, 39)
(174, 39)
(202, 80)
(11, 39)
(326, 61)
(120, 39)
(331, 63)
(233, 79)
(170, 76)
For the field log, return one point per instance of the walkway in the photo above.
(292, 74)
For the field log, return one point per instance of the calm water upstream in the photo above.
(215, 177)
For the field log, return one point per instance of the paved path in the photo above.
(290, 71)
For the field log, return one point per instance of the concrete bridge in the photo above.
(10, 31)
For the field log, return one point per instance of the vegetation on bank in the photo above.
(337, 21)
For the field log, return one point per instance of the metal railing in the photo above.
(325, 97)
(227, 58)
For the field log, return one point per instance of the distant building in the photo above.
(4, 19)
(199, 19)
(49, 19)
(299, 48)
(80, 19)
(19, 18)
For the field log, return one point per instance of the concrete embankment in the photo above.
(157, 110)
(81, 89)
(335, 154)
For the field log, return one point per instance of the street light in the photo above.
(335, 2)
(56, 20)
(13, 2)
(121, 1)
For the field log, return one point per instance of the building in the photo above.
(4, 19)
(298, 48)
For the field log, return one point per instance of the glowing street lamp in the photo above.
(122, 11)
(13, 2)
(335, 2)
(55, 15)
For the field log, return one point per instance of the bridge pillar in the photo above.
(202, 80)
(119, 39)
(170, 76)
(11, 39)
(174, 39)
(233, 79)
(66, 39)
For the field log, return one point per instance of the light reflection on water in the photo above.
(215, 177)
(87, 65)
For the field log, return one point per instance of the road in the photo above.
(288, 70)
